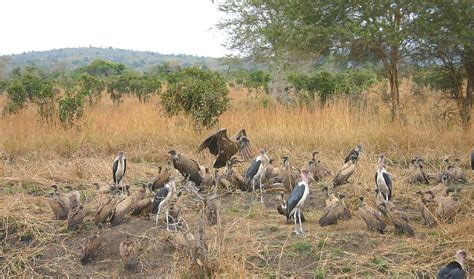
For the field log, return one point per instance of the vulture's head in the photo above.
(173, 154)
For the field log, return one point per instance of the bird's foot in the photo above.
(297, 232)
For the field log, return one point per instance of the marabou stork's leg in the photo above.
(158, 214)
(296, 226)
(299, 219)
(167, 219)
(261, 191)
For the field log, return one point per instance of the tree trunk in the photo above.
(393, 79)
(466, 106)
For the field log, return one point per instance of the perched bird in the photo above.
(105, 210)
(400, 219)
(425, 212)
(317, 169)
(162, 178)
(162, 198)
(383, 180)
(234, 177)
(417, 174)
(75, 217)
(346, 171)
(255, 172)
(224, 147)
(357, 151)
(129, 253)
(455, 269)
(122, 208)
(187, 167)
(447, 208)
(59, 203)
(91, 245)
(119, 168)
(372, 218)
(336, 210)
(296, 200)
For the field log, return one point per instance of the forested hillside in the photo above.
(67, 59)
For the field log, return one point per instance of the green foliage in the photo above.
(31, 86)
(103, 68)
(202, 95)
(144, 86)
(325, 84)
(91, 87)
(302, 247)
(118, 86)
(258, 80)
(71, 108)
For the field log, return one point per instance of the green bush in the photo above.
(200, 94)
(71, 108)
(326, 84)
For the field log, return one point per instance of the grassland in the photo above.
(252, 241)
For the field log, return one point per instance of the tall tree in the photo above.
(446, 42)
(311, 28)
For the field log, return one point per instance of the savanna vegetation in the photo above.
(395, 76)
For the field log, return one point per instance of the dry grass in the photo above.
(251, 240)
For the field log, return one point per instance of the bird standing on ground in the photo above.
(455, 269)
(428, 217)
(346, 171)
(59, 203)
(188, 167)
(162, 198)
(119, 168)
(105, 210)
(297, 199)
(316, 168)
(91, 245)
(357, 151)
(256, 171)
(417, 174)
(224, 147)
(383, 180)
(372, 218)
(129, 253)
(76, 216)
(335, 210)
(161, 179)
(122, 208)
(400, 219)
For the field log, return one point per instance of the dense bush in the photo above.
(71, 108)
(326, 84)
(200, 94)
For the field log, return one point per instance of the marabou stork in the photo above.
(255, 172)
(119, 168)
(383, 180)
(296, 200)
(162, 198)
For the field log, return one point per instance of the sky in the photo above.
(164, 26)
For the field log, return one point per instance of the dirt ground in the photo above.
(253, 240)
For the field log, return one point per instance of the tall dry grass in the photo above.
(143, 129)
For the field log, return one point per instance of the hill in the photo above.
(67, 59)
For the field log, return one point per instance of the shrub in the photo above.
(200, 94)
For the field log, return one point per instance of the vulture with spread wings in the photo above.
(224, 148)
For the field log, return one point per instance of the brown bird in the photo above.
(372, 218)
(346, 171)
(447, 208)
(129, 253)
(207, 179)
(288, 175)
(425, 212)
(336, 210)
(76, 216)
(105, 210)
(188, 167)
(233, 176)
(317, 169)
(74, 198)
(59, 203)
(122, 208)
(271, 172)
(91, 245)
(417, 174)
(224, 147)
(143, 204)
(162, 178)
(442, 189)
(400, 219)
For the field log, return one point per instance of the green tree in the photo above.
(200, 94)
(91, 87)
(103, 68)
(71, 108)
(446, 43)
(285, 29)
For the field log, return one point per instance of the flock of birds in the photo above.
(435, 205)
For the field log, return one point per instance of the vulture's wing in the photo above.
(213, 142)
(245, 149)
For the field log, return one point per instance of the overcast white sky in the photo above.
(165, 26)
